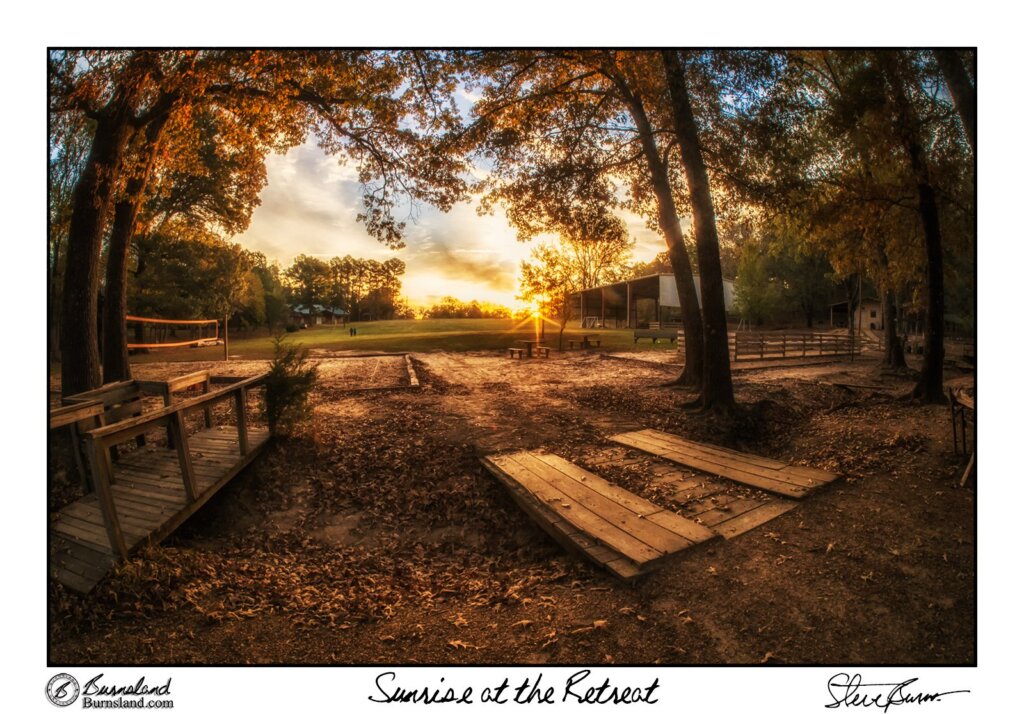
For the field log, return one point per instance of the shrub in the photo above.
(289, 382)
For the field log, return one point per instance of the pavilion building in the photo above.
(641, 302)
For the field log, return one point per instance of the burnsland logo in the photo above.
(62, 690)
(132, 696)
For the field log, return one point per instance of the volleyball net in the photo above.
(154, 333)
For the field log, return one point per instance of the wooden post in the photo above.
(952, 418)
(963, 427)
(101, 469)
(188, 476)
(225, 337)
(207, 414)
(243, 427)
(762, 346)
(167, 402)
(76, 453)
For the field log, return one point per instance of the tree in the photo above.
(108, 96)
(591, 250)
(716, 392)
(575, 126)
(450, 307)
(827, 158)
(965, 98)
(275, 306)
(192, 274)
(906, 124)
(373, 108)
(308, 278)
(759, 293)
(70, 137)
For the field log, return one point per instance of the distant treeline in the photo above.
(450, 307)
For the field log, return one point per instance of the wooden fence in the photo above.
(768, 345)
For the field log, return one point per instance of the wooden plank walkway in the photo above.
(751, 470)
(613, 527)
(150, 499)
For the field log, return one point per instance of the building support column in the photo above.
(629, 306)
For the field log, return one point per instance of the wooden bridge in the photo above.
(142, 495)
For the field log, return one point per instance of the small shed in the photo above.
(868, 315)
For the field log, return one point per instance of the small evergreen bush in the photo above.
(289, 383)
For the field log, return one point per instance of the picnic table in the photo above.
(529, 345)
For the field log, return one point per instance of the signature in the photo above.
(845, 689)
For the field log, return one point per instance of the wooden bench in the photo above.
(962, 410)
(654, 335)
(543, 351)
(514, 352)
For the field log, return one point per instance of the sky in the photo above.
(310, 205)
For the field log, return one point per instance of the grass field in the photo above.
(405, 336)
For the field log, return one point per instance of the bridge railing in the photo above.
(100, 441)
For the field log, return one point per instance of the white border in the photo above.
(534, 22)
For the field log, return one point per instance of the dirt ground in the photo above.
(374, 535)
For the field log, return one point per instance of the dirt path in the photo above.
(375, 536)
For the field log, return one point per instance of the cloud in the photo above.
(310, 206)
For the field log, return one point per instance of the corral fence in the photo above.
(767, 345)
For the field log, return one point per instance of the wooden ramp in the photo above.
(150, 499)
(145, 493)
(756, 471)
(617, 529)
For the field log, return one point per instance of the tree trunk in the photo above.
(849, 306)
(79, 338)
(668, 221)
(965, 98)
(53, 306)
(716, 392)
(116, 365)
(90, 205)
(929, 385)
(893, 346)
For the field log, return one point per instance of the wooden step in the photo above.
(748, 469)
(611, 526)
